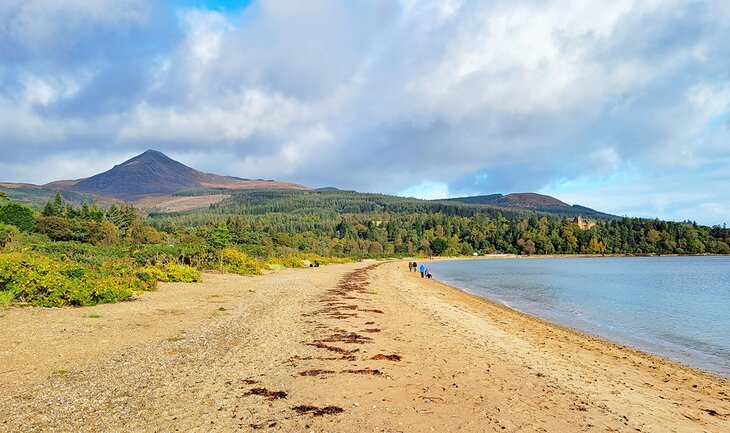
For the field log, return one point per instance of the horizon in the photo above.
(623, 107)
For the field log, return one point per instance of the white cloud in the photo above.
(37, 23)
(427, 190)
(202, 123)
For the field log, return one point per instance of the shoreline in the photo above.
(625, 339)
(550, 256)
(581, 333)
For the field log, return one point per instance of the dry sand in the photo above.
(241, 353)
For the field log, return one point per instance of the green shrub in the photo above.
(150, 275)
(6, 298)
(286, 261)
(169, 273)
(301, 260)
(19, 216)
(240, 263)
(8, 234)
(310, 257)
(46, 282)
(182, 273)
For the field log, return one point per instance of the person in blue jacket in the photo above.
(423, 270)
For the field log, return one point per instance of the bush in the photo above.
(302, 260)
(6, 299)
(169, 273)
(46, 282)
(19, 216)
(182, 273)
(240, 263)
(150, 275)
(286, 261)
(8, 234)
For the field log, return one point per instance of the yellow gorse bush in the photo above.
(43, 281)
(169, 273)
(241, 263)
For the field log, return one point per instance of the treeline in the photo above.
(64, 222)
(386, 233)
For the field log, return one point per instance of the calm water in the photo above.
(678, 307)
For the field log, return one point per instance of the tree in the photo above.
(19, 216)
(596, 247)
(439, 245)
(138, 233)
(3, 196)
(220, 238)
(527, 246)
(55, 207)
(55, 227)
(653, 236)
(103, 233)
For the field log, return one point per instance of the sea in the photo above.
(676, 307)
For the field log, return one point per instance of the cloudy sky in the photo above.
(619, 105)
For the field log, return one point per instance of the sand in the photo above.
(366, 347)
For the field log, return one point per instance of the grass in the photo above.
(6, 299)
(60, 373)
(222, 309)
(93, 316)
(179, 337)
(372, 292)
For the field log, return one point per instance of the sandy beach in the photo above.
(365, 347)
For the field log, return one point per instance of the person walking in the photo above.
(410, 266)
(423, 270)
(415, 267)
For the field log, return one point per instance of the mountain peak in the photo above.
(150, 156)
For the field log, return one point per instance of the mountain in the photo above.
(531, 202)
(154, 173)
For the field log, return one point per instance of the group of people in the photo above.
(425, 272)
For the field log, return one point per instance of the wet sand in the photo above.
(365, 347)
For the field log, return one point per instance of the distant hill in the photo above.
(532, 202)
(154, 173)
(37, 196)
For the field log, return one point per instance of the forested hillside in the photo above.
(347, 223)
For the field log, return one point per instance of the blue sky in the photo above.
(622, 106)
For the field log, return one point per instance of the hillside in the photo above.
(531, 202)
(257, 202)
(36, 196)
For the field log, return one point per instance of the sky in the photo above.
(622, 106)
